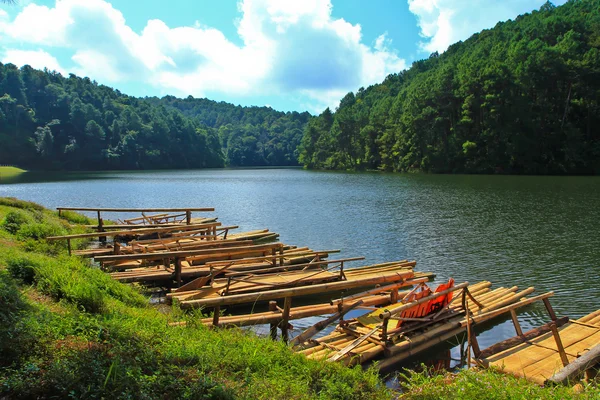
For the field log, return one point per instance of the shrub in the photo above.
(22, 269)
(75, 218)
(39, 231)
(13, 221)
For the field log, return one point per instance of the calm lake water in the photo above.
(511, 230)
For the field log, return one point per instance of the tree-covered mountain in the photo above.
(521, 98)
(250, 136)
(48, 121)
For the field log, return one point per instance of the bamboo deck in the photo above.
(360, 340)
(540, 358)
(250, 289)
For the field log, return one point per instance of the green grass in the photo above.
(67, 330)
(487, 384)
(10, 172)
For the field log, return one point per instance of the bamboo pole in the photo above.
(319, 326)
(127, 232)
(577, 367)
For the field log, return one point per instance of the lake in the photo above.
(511, 230)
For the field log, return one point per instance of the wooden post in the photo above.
(178, 271)
(69, 245)
(188, 217)
(281, 256)
(59, 212)
(102, 239)
(342, 276)
(515, 320)
(273, 325)
(287, 304)
(384, 329)
(274, 253)
(216, 315)
(394, 296)
(550, 309)
(116, 247)
(475, 346)
(559, 345)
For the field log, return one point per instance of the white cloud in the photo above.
(289, 47)
(36, 58)
(443, 22)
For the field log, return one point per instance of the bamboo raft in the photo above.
(238, 256)
(245, 290)
(360, 340)
(555, 353)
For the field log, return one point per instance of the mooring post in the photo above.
(384, 329)
(101, 228)
(281, 256)
(475, 345)
(216, 315)
(273, 325)
(188, 217)
(287, 304)
(178, 271)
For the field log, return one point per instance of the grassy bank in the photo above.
(10, 172)
(68, 331)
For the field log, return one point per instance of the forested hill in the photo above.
(249, 135)
(519, 98)
(48, 121)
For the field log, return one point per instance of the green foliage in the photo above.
(520, 98)
(75, 218)
(13, 307)
(13, 220)
(48, 121)
(250, 136)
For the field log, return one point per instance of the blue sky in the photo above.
(288, 54)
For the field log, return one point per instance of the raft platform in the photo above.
(555, 353)
(400, 331)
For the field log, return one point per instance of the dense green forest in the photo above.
(249, 135)
(519, 98)
(48, 121)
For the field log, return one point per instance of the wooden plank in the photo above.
(140, 210)
(185, 253)
(127, 232)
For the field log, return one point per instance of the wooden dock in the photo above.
(557, 352)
